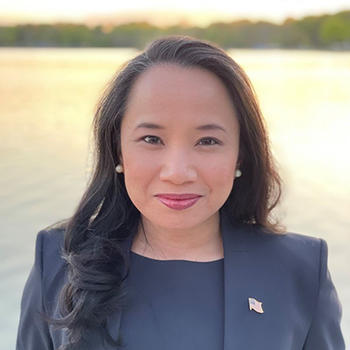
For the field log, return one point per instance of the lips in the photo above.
(178, 201)
(174, 196)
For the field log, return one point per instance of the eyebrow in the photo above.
(211, 126)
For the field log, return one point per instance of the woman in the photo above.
(172, 245)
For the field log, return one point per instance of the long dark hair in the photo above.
(105, 215)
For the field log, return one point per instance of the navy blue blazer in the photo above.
(288, 273)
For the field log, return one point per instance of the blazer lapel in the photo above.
(251, 270)
(244, 277)
(113, 322)
(236, 300)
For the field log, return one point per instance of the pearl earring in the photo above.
(119, 168)
(238, 173)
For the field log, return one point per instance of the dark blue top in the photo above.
(167, 298)
(201, 305)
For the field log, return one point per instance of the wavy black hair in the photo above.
(105, 215)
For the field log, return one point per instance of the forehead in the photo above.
(170, 92)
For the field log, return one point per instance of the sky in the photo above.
(160, 12)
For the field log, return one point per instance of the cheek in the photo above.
(221, 175)
(138, 173)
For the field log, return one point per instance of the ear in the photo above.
(120, 158)
(239, 161)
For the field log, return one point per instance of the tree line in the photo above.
(328, 31)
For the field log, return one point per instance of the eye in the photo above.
(210, 141)
(150, 139)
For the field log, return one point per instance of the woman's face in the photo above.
(179, 135)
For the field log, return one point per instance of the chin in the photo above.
(178, 220)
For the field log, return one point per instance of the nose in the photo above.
(178, 167)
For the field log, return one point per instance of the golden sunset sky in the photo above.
(160, 12)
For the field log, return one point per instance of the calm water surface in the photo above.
(48, 98)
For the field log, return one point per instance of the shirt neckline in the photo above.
(174, 260)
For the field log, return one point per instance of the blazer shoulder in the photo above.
(50, 257)
(301, 253)
(290, 241)
(51, 241)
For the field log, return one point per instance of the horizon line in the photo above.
(183, 18)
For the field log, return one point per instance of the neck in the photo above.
(200, 243)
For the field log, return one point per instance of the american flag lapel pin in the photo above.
(255, 305)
